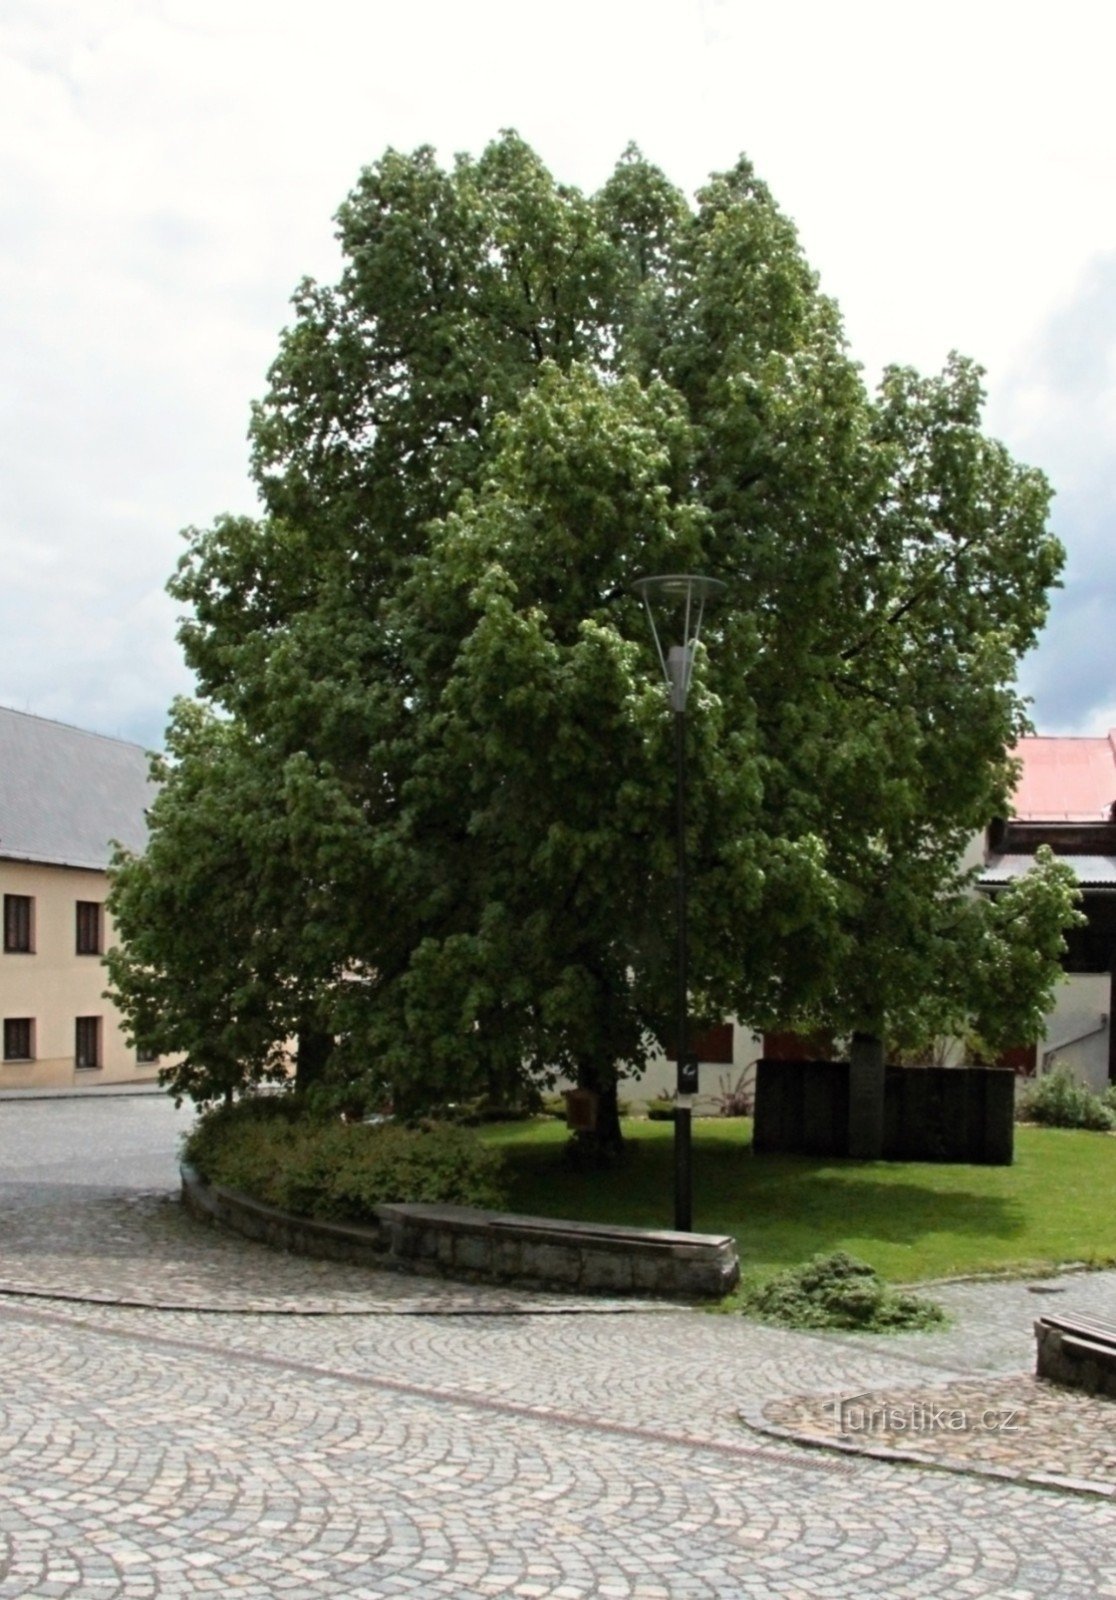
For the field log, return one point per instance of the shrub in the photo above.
(735, 1099)
(662, 1108)
(337, 1171)
(1059, 1101)
(472, 1113)
(838, 1291)
(554, 1105)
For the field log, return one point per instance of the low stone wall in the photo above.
(332, 1241)
(494, 1246)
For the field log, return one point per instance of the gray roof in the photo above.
(1093, 872)
(66, 794)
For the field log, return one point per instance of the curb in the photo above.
(147, 1089)
(413, 1308)
(1038, 1272)
(751, 1415)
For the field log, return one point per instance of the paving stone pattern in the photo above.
(93, 1244)
(412, 1439)
(1016, 1426)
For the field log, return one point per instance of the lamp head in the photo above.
(688, 592)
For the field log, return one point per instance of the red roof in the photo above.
(1066, 780)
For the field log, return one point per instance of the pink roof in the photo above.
(1071, 780)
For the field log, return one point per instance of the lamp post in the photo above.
(690, 592)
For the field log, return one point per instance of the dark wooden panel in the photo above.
(791, 1046)
(1022, 1059)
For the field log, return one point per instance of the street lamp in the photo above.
(689, 592)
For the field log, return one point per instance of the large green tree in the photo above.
(433, 679)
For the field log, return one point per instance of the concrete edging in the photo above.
(491, 1246)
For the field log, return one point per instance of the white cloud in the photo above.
(1058, 407)
(169, 170)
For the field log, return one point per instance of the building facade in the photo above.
(1066, 798)
(65, 796)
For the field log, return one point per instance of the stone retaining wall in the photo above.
(496, 1246)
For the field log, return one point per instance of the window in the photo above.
(19, 931)
(19, 1039)
(87, 1042)
(90, 923)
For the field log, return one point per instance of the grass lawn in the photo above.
(909, 1220)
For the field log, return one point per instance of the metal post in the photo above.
(692, 589)
(683, 1184)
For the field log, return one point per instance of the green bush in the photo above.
(663, 1106)
(337, 1171)
(838, 1291)
(473, 1113)
(1059, 1101)
(554, 1105)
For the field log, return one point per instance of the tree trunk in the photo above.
(591, 1150)
(314, 1051)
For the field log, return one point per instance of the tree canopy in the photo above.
(424, 807)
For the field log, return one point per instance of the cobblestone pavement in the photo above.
(968, 1400)
(481, 1444)
(1015, 1426)
(108, 1256)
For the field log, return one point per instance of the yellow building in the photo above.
(65, 795)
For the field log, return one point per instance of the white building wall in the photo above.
(1077, 1028)
(661, 1074)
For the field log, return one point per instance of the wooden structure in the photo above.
(929, 1113)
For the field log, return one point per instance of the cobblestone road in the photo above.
(410, 1439)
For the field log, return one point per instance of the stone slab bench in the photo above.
(493, 1246)
(1078, 1352)
(588, 1256)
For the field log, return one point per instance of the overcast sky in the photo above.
(169, 169)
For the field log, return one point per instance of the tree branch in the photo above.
(910, 602)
